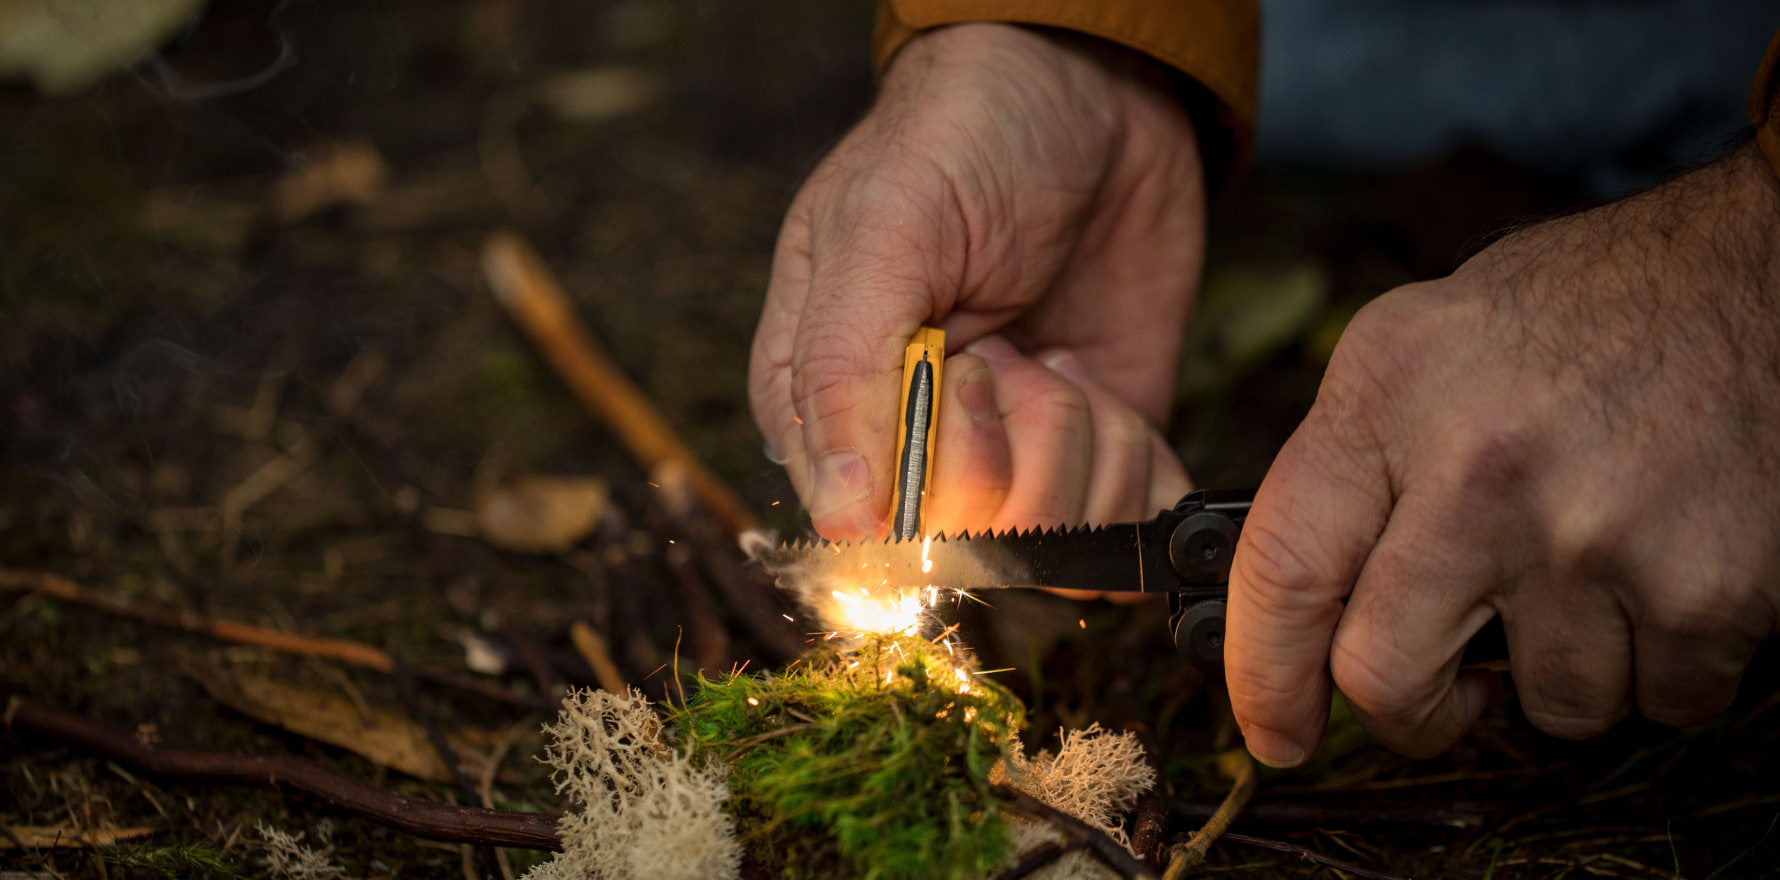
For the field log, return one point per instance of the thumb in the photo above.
(877, 262)
(1318, 512)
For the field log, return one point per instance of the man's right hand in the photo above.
(1039, 196)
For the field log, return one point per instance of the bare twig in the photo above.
(1309, 855)
(353, 653)
(1240, 769)
(1110, 852)
(748, 590)
(536, 302)
(592, 648)
(421, 818)
(1044, 854)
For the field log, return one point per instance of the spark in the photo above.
(993, 671)
(797, 419)
(1083, 622)
(788, 617)
(656, 485)
(774, 504)
(753, 701)
(926, 544)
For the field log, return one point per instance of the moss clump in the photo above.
(875, 760)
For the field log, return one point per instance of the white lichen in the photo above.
(643, 810)
(1096, 776)
(287, 856)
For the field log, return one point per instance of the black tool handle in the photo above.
(1208, 524)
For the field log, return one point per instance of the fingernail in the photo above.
(977, 394)
(842, 479)
(1065, 364)
(993, 349)
(1273, 748)
(772, 454)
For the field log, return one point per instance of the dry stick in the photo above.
(592, 648)
(352, 653)
(1040, 856)
(750, 593)
(427, 819)
(536, 303)
(1309, 855)
(447, 755)
(1240, 769)
(1110, 852)
(710, 638)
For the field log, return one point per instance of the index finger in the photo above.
(1315, 519)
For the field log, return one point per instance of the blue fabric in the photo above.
(1616, 91)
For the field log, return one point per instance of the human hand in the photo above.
(1578, 430)
(1040, 197)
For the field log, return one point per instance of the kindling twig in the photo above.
(1240, 769)
(1108, 851)
(342, 650)
(536, 302)
(421, 818)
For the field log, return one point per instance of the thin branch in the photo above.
(342, 650)
(1240, 769)
(1040, 856)
(1310, 855)
(592, 648)
(1109, 851)
(531, 295)
(421, 818)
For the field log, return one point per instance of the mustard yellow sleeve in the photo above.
(1216, 43)
(1764, 103)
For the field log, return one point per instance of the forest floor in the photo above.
(250, 369)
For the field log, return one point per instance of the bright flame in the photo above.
(862, 612)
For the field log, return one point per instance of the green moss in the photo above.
(874, 760)
(180, 860)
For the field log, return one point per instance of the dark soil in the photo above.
(163, 343)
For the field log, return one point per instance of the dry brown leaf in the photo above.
(385, 738)
(599, 94)
(46, 836)
(539, 514)
(344, 173)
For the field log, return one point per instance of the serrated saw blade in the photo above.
(1127, 557)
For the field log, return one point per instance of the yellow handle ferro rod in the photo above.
(922, 362)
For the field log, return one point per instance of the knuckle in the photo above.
(1369, 677)
(1704, 608)
(1491, 455)
(1272, 566)
(1063, 405)
(828, 382)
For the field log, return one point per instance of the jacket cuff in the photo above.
(1764, 104)
(1215, 43)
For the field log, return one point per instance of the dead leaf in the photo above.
(332, 174)
(64, 46)
(385, 738)
(599, 94)
(46, 836)
(541, 514)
